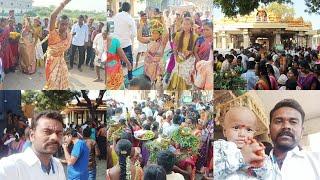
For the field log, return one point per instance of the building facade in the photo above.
(114, 6)
(261, 28)
(79, 114)
(19, 6)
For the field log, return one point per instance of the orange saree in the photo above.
(56, 66)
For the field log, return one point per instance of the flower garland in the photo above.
(128, 168)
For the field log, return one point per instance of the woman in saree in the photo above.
(306, 78)
(5, 50)
(114, 73)
(2, 38)
(153, 66)
(203, 46)
(27, 49)
(14, 46)
(59, 41)
(38, 35)
(264, 82)
(1, 75)
(184, 57)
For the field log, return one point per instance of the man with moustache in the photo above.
(286, 131)
(37, 161)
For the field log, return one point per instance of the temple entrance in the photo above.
(263, 42)
(263, 38)
(288, 40)
(266, 42)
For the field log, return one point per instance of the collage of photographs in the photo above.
(159, 90)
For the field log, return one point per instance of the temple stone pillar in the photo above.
(246, 38)
(309, 41)
(277, 38)
(72, 116)
(215, 38)
(114, 4)
(231, 43)
(301, 39)
(223, 40)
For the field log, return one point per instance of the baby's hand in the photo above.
(253, 153)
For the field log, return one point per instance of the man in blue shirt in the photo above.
(250, 76)
(78, 159)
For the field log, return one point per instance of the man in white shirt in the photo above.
(226, 64)
(98, 46)
(245, 58)
(167, 123)
(125, 30)
(147, 110)
(90, 54)
(167, 19)
(207, 16)
(286, 130)
(80, 35)
(271, 60)
(37, 162)
(172, 16)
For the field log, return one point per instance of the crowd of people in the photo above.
(176, 48)
(161, 155)
(50, 42)
(261, 69)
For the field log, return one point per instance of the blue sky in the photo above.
(299, 6)
(99, 5)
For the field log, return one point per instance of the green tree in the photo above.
(57, 100)
(48, 100)
(280, 10)
(92, 106)
(43, 12)
(244, 7)
(29, 97)
(313, 6)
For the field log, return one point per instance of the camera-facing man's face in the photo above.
(286, 128)
(46, 138)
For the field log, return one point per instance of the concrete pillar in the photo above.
(246, 38)
(224, 40)
(133, 9)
